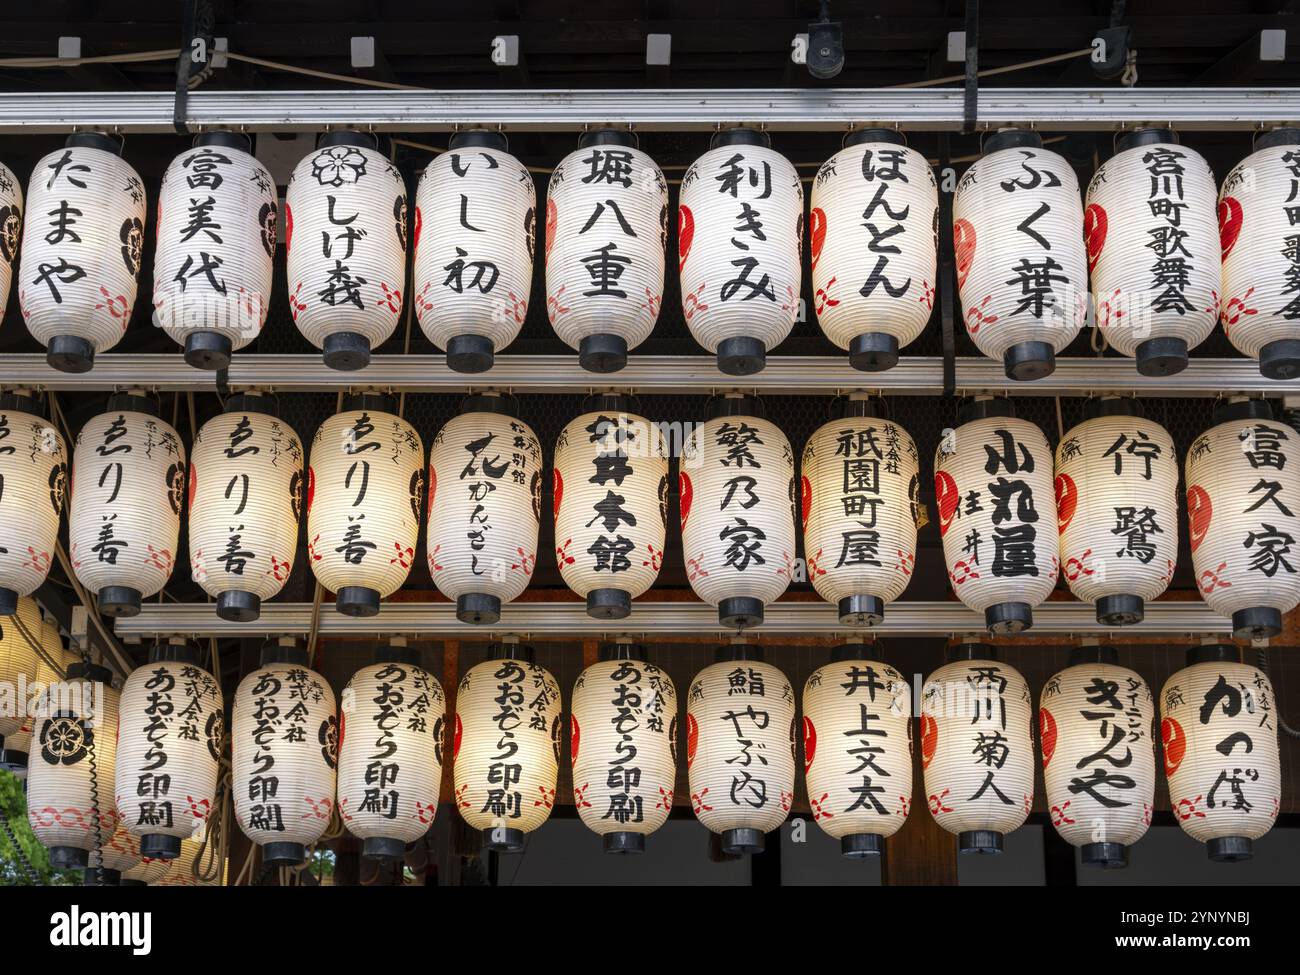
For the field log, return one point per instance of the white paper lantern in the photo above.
(993, 489)
(180, 872)
(1243, 517)
(367, 465)
(737, 479)
(857, 749)
(610, 500)
(859, 491)
(147, 872)
(245, 502)
(15, 748)
(485, 502)
(1117, 510)
(1021, 262)
(623, 745)
(81, 249)
(606, 230)
(346, 209)
(1095, 721)
(34, 475)
(20, 660)
(739, 239)
(475, 233)
(128, 483)
(976, 751)
(70, 770)
(284, 749)
(506, 747)
(1261, 254)
(1153, 250)
(390, 751)
(116, 856)
(1218, 723)
(873, 229)
(740, 747)
(31, 690)
(11, 226)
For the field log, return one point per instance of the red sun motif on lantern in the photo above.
(1175, 742)
(557, 490)
(809, 743)
(1230, 219)
(433, 489)
(685, 235)
(963, 245)
(1067, 500)
(1094, 233)
(687, 493)
(575, 738)
(288, 228)
(929, 739)
(415, 241)
(552, 218)
(311, 487)
(1199, 511)
(457, 734)
(1047, 734)
(945, 492)
(692, 738)
(193, 486)
(805, 499)
(817, 232)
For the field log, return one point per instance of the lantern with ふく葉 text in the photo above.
(34, 472)
(1218, 725)
(11, 225)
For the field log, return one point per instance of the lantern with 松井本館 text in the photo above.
(34, 471)
(11, 225)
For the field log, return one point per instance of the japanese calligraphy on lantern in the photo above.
(33, 493)
(11, 225)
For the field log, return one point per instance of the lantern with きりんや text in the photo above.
(1095, 720)
(737, 505)
(391, 723)
(128, 484)
(346, 209)
(1117, 509)
(506, 746)
(485, 503)
(993, 489)
(284, 751)
(20, 659)
(610, 498)
(740, 747)
(873, 236)
(623, 746)
(11, 225)
(1153, 250)
(1243, 517)
(34, 469)
(976, 750)
(365, 489)
(80, 266)
(857, 749)
(216, 240)
(245, 502)
(1218, 724)
(118, 854)
(475, 234)
(739, 240)
(860, 491)
(1021, 263)
(606, 230)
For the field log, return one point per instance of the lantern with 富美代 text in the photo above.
(34, 472)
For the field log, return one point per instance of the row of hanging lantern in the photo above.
(1025, 249)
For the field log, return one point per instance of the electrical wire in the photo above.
(990, 72)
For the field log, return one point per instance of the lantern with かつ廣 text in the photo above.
(34, 471)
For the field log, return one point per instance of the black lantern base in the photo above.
(8, 601)
(69, 858)
(284, 854)
(1280, 359)
(159, 846)
(1026, 361)
(208, 350)
(985, 842)
(859, 846)
(861, 610)
(1007, 619)
(1230, 849)
(1256, 623)
(70, 353)
(1108, 856)
(1121, 609)
(740, 612)
(738, 842)
(609, 604)
(501, 839)
(741, 356)
(12, 759)
(602, 353)
(383, 848)
(357, 601)
(1162, 356)
(478, 607)
(239, 606)
(470, 353)
(873, 352)
(624, 843)
(346, 351)
(132, 883)
(103, 877)
(119, 601)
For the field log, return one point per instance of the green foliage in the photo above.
(13, 803)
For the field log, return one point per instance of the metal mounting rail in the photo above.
(790, 109)
(654, 619)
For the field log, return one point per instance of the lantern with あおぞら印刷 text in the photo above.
(34, 472)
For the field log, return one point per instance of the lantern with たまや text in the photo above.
(11, 225)
(34, 471)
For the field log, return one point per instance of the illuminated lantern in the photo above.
(390, 753)
(739, 238)
(81, 258)
(739, 707)
(184, 870)
(20, 649)
(169, 749)
(1095, 720)
(623, 745)
(993, 489)
(146, 872)
(34, 471)
(875, 214)
(611, 506)
(857, 749)
(485, 502)
(506, 746)
(475, 233)
(246, 494)
(11, 225)
(128, 482)
(1117, 509)
(216, 239)
(284, 750)
(53, 662)
(859, 497)
(367, 469)
(116, 856)
(1243, 517)
(1153, 250)
(1218, 723)
(1021, 262)
(70, 771)
(976, 750)
(737, 478)
(346, 207)
(14, 749)
(1261, 263)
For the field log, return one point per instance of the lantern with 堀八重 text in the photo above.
(34, 471)
(11, 224)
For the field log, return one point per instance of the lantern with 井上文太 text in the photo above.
(34, 471)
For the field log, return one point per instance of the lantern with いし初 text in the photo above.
(34, 471)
